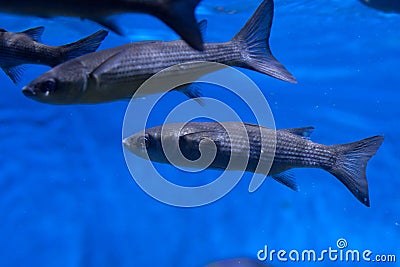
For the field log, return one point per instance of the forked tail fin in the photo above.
(350, 167)
(179, 15)
(84, 46)
(253, 41)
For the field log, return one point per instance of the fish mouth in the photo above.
(125, 142)
(134, 148)
(28, 91)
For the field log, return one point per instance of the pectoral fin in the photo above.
(108, 65)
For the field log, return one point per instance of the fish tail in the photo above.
(351, 163)
(253, 42)
(179, 16)
(84, 46)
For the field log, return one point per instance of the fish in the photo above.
(17, 48)
(238, 262)
(292, 148)
(177, 14)
(390, 6)
(117, 73)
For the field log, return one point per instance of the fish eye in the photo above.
(48, 86)
(144, 141)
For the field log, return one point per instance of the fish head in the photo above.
(153, 143)
(64, 84)
(138, 144)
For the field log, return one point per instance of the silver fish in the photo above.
(347, 162)
(390, 6)
(17, 48)
(177, 14)
(117, 73)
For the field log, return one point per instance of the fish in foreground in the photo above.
(17, 48)
(177, 14)
(239, 262)
(391, 6)
(117, 73)
(347, 162)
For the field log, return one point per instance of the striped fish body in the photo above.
(284, 148)
(17, 48)
(122, 74)
(257, 149)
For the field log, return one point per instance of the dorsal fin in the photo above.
(304, 132)
(34, 33)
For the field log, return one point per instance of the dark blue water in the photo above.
(68, 199)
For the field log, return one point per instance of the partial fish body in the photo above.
(177, 14)
(25, 48)
(346, 162)
(384, 5)
(117, 73)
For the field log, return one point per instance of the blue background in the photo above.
(68, 199)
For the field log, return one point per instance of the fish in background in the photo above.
(347, 162)
(391, 6)
(239, 262)
(17, 48)
(117, 73)
(177, 14)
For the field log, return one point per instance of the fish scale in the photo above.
(288, 148)
(135, 61)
